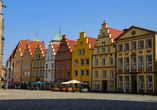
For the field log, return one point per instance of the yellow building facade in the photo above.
(136, 57)
(37, 69)
(81, 60)
(103, 66)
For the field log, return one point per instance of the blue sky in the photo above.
(24, 18)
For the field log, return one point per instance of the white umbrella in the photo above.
(65, 83)
(71, 82)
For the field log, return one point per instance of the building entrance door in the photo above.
(133, 84)
(104, 86)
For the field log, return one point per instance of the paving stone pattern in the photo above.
(48, 100)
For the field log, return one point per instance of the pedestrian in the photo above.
(4, 86)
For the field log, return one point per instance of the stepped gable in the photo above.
(92, 41)
(44, 51)
(114, 33)
(55, 47)
(72, 44)
(33, 44)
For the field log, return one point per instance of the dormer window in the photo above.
(81, 43)
(103, 42)
(103, 34)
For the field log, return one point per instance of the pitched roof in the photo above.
(72, 44)
(92, 41)
(44, 51)
(33, 44)
(3, 66)
(55, 46)
(36, 39)
(114, 33)
(58, 36)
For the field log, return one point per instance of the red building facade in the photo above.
(63, 61)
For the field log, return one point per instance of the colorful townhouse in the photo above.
(37, 69)
(136, 51)
(63, 61)
(82, 60)
(103, 66)
(19, 61)
(49, 68)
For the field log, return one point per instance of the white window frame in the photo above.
(120, 79)
(111, 61)
(57, 66)
(82, 62)
(33, 72)
(140, 58)
(25, 74)
(108, 49)
(40, 72)
(149, 62)
(120, 48)
(149, 43)
(127, 82)
(133, 63)
(68, 65)
(103, 50)
(87, 61)
(75, 72)
(127, 63)
(81, 72)
(133, 46)
(86, 72)
(76, 64)
(62, 66)
(28, 74)
(103, 61)
(79, 52)
(126, 46)
(103, 42)
(95, 73)
(149, 83)
(139, 45)
(96, 85)
(95, 62)
(141, 82)
(103, 73)
(97, 50)
(111, 73)
(62, 74)
(83, 51)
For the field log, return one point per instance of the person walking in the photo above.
(4, 86)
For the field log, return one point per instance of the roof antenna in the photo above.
(59, 29)
(36, 34)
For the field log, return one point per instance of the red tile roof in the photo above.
(3, 67)
(44, 51)
(92, 41)
(72, 44)
(55, 46)
(114, 33)
(32, 44)
(33, 49)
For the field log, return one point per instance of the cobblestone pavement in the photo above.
(48, 100)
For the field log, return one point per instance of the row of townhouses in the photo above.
(117, 61)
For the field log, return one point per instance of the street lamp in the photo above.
(143, 70)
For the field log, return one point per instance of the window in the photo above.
(110, 61)
(68, 74)
(140, 45)
(120, 82)
(104, 73)
(68, 65)
(140, 62)
(120, 48)
(62, 66)
(45, 75)
(25, 66)
(149, 62)
(46, 66)
(17, 77)
(62, 74)
(57, 74)
(83, 51)
(19, 61)
(39, 56)
(81, 43)
(149, 43)
(34, 64)
(52, 75)
(65, 48)
(149, 82)
(126, 63)
(127, 82)
(103, 42)
(82, 62)
(108, 49)
(57, 66)
(82, 72)
(29, 66)
(51, 56)
(126, 46)
(52, 65)
(19, 69)
(37, 64)
(95, 74)
(48, 57)
(133, 45)
(96, 85)
(59, 57)
(25, 74)
(141, 82)
(75, 72)
(97, 50)
(40, 72)
(28, 74)
(103, 34)
(66, 56)
(63, 56)
(76, 62)
(63, 42)
(61, 49)
(28, 58)
(40, 64)
(33, 72)
(111, 73)
(14, 76)
(103, 50)
(79, 52)
(36, 57)
(87, 61)
(103, 61)
(120, 64)
(95, 62)
(87, 72)
(36, 72)
(133, 63)
(14, 69)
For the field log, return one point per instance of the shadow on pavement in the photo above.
(75, 104)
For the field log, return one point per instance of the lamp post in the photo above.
(143, 70)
